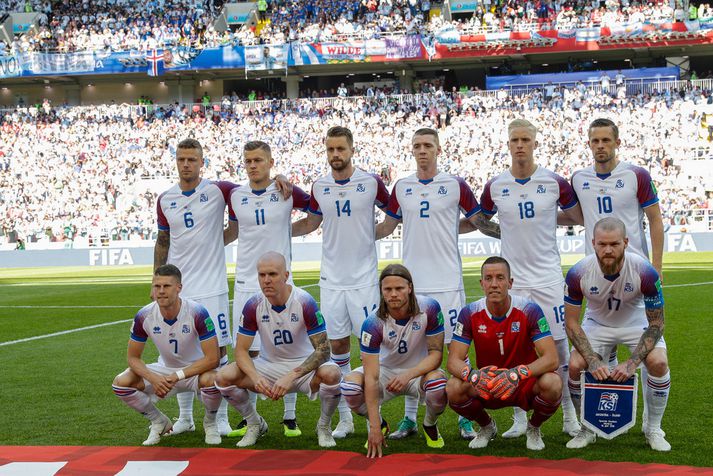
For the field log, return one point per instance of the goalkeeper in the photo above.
(515, 354)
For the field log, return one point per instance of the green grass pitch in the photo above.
(57, 390)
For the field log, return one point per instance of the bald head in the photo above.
(273, 258)
(272, 276)
(610, 225)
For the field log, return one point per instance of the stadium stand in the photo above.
(91, 173)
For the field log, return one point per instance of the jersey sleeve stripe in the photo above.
(462, 340)
(316, 330)
(541, 335)
(137, 338)
(436, 331)
(393, 215)
(313, 211)
(473, 212)
(207, 336)
(245, 332)
(367, 350)
(571, 204)
(164, 228)
(571, 301)
(653, 201)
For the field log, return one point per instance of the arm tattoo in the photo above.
(650, 337)
(316, 358)
(581, 343)
(487, 227)
(160, 251)
(435, 343)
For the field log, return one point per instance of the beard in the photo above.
(610, 267)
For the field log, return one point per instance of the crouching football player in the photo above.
(188, 354)
(402, 349)
(294, 354)
(516, 357)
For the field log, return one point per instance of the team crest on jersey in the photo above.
(585, 186)
(342, 194)
(515, 327)
(409, 192)
(392, 334)
(326, 191)
(265, 318)
(442, 190)
(172, 206)
(482, 329)
(157, 330)
(541, 189)
(204, 198)
(361, 188)
(186, 329)
(294, 318)
(628, 288)
(620, 183)
(506, 192)
(273, 197)
(244, 201)
(416, 326)
(594, 290)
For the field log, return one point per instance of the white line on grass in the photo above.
(129, 320)
(44, 336)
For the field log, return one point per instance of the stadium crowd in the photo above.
(108, 25)
(86, 172)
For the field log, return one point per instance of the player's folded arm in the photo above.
(457, 354)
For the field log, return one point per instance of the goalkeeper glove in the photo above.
(505, 384)
(479, 379)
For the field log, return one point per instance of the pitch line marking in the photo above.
(70, 331)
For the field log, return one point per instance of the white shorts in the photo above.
(413, 389)
(273, 371)
(345, 311)
(551, 300)
(189, 384)
(603, 339)
(219, 312)
(239, 300)
(451, 303)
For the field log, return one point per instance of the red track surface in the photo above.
(102, 460)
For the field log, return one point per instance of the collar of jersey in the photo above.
(425, 181)
(259, 192)
(499, 319)
(342, 182)
(611, 277)
(188, 193)
(523, 181)
(402, 322)
(604, 176)
(170, 322)
(278, 308)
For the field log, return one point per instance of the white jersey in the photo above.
(195, 222)
(264, 224)
(527, 212)
(284, 330)
(615, 301)
(349, 259)
(430, 211)
(178, 341)
(624, 193)
(401, 344)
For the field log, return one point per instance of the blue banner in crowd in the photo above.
(608, 407)
(646, 75)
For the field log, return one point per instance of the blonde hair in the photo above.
(522, 123)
